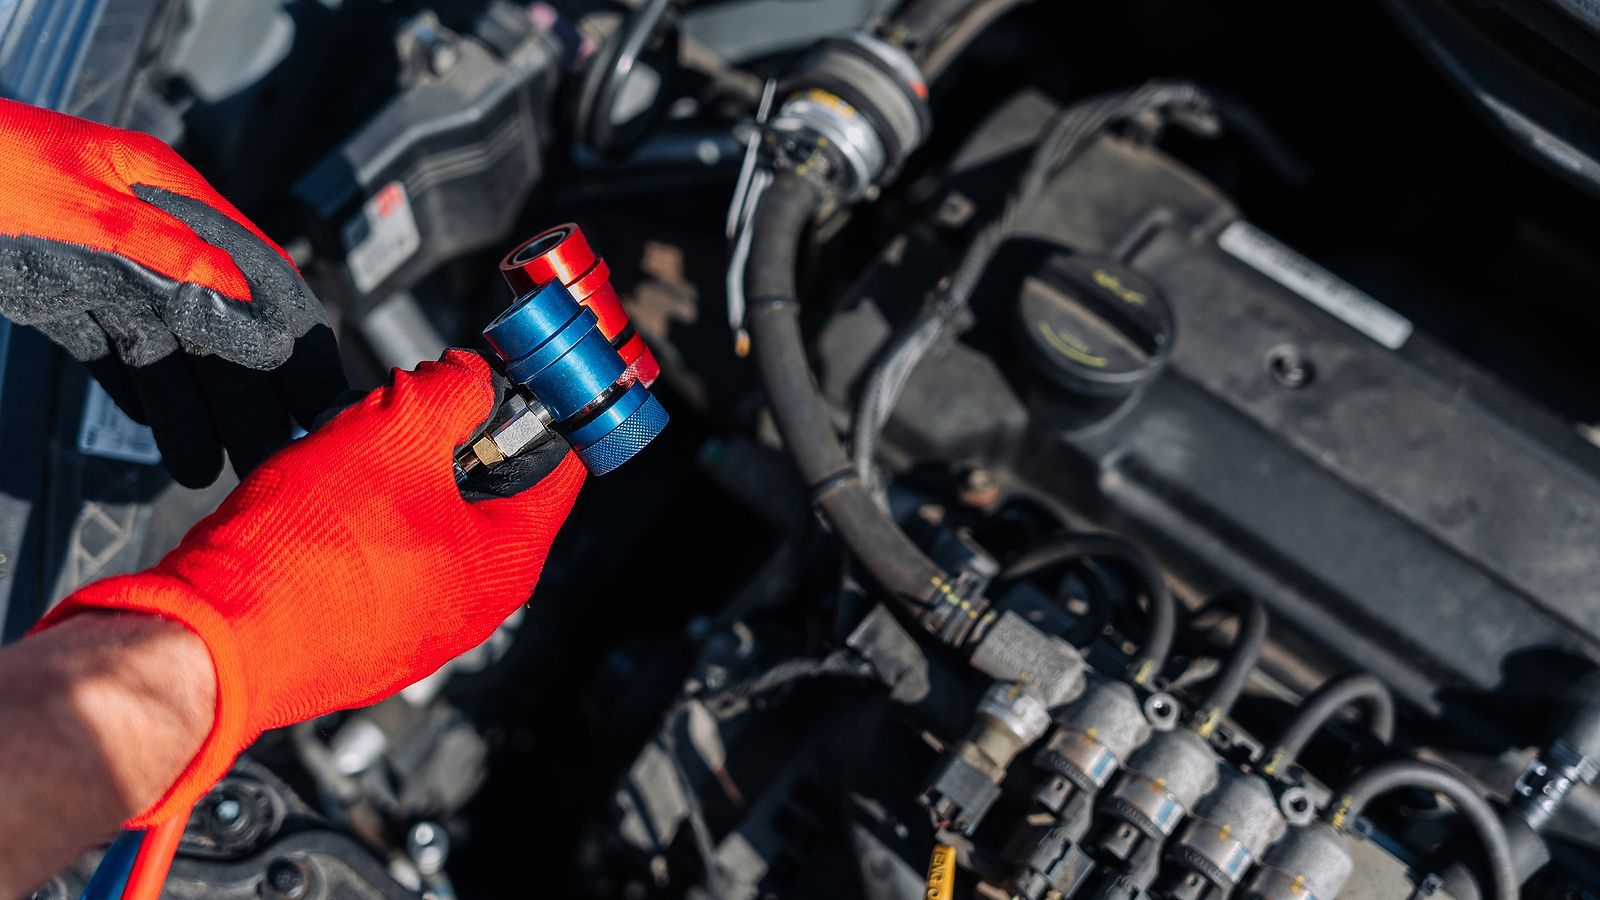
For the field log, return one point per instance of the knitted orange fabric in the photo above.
(347, 566)
(71, 181)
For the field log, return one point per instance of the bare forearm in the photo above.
(98, 716)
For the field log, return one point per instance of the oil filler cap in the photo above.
(1095, 329)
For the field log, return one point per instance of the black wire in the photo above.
(1163, 609)
(920, 24)
(838, 664)
(955, 40)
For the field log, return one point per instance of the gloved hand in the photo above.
(346, 566)
(193, 320)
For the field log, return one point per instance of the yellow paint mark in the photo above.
(1114, 284)
(1070, 347)
(1271, 768)
(831, 100)
(1341, 812)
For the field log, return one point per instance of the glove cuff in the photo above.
(175, 600)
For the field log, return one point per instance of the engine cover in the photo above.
(1399, 509)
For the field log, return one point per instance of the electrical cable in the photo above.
(1366, 786)
(1068, 134)
(1322, 705)
(779, 224)
(1162, 613)
(838, 664)
(1242, 658)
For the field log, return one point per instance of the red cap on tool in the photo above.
(563, 254)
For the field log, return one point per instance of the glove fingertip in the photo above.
(459, 388)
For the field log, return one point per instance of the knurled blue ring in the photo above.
(624, 441)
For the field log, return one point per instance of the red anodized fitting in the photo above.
(563, 254)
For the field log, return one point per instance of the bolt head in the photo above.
(287, 879)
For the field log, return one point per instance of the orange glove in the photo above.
(192, 319)
(347, 566)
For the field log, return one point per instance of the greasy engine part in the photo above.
(1224, 838)
(967, 781)
(1090, 741)
(1157, 788)
(1043, 383)
(1289, 401)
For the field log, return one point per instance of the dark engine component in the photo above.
(1094, 487)
(1294, 407)
(442, 168)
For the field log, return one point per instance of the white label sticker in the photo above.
(107, 432)
(381, 237)
(1262, 252)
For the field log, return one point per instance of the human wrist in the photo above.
(140, 688)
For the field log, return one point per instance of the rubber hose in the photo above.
(1242, 658)
(1323, 704)
(1163, 612)
(1361, 790)
(781, 220)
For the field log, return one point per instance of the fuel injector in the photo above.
(1035, 674)
(569, 381)
(1228, 832)
(1309, 863)
(1236, 821)
(1156, 790)
(1087, 746)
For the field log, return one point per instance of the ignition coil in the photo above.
(1090, 740)
(570, 383)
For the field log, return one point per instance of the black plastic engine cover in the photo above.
(439, 171)
(1399, 510)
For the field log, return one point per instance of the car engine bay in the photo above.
(1131, 449)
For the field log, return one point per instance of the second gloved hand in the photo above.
(193, 321)
(348, 565)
